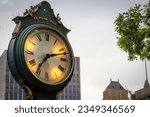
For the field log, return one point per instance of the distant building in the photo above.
(10, 90)
(115, 91)
(144, 93)
(73, 90)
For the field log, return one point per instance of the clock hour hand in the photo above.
(45, 59)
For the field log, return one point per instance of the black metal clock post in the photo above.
(40, 56)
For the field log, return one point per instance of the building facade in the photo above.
(115, 91)
(10, 90)
(73, 90)
(144, 93)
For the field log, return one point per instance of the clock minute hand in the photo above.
(47, 57)
(53, 55)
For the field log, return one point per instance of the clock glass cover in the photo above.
(48, 56)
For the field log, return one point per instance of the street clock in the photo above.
(40, 56)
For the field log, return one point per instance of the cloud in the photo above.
(3, 2)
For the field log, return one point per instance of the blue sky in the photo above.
(92, 37)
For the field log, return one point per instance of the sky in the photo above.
(93, 39)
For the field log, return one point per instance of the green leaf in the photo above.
(133, 27)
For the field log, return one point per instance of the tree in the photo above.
(133, 28)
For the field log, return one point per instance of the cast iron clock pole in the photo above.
(40, 56)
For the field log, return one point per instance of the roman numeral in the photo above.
(32, 62)
(55, 75)
(62, 49)
(29, 52)
(46, 76)
(39, 37)
(33, 43)
(63, 59)
(55, 41)
(61, 68)
(47, 36)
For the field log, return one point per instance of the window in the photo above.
(6, 96)
(11, 96)
(15, 96)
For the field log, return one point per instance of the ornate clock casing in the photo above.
(40, 56)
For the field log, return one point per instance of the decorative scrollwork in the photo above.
(58, 19)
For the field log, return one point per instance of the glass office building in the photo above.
(73, 90)
(9, 88)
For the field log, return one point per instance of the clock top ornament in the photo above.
(40, 56)
(40, 13)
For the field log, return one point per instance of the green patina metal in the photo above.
(39, 16)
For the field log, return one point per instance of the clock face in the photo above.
(48, 56)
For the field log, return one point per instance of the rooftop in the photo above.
(115, 85)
